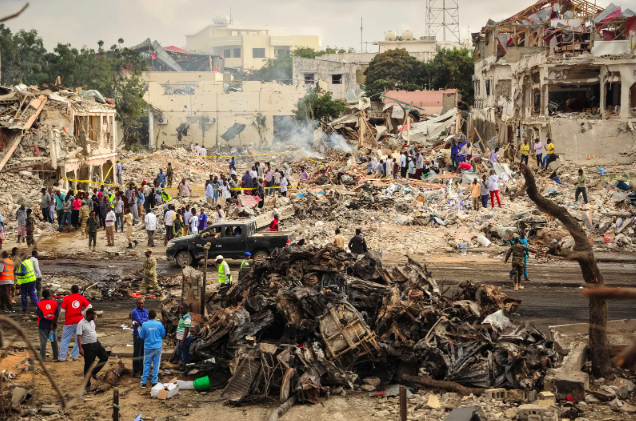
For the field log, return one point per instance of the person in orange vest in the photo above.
(6, 283)
(48, 312)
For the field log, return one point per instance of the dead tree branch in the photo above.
(582, 253)
(441, 384)
(15, 15)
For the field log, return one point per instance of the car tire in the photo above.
(260, 255)
(183, 259)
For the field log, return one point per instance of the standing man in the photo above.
(403, 164)
(67, 213)
(203, 152)
(110, 227)
(454, 155)
(149, 274)
(517, 252)
(581, 187)
(151, 227)
(538, 151)
(30, 228)
(246, 257)
(549, 148)
(21, 216)
(493, 188)
(85, 213)
(38, 273)
(485, 194)
(184, 338)
(91, 229)
(128, 223)
(283, 186)
(73, 308)
(152, 333)
(357, 244)
(120, 171)
(139, 316)
(525, 151)
(202, 220)
(89, 346)
(45, 204)
(119, 212)
(419, 165)
(162, 178)
(48, 312)
(475, 192)
(220, 215)
(26, 280)
(169, 174)
(338, 240)
(209, 192)
(6, 283)
(168, 220)
(225, 276)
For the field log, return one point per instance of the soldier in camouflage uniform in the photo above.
(517, 252)
(30, 228)
(149, 274)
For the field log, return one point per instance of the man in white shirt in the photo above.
(38, 273)
(168, 219)
(151, 227)
(493, 188)
(220, 215)
(203, 152)
(89, 346)
(403, 165)
(110, 227)
(283, 186)
(209, 193)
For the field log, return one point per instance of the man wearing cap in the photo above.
(150, 274)
(225, 277)
(517, 251)
(245, 262)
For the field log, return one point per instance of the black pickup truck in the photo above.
(230, 239)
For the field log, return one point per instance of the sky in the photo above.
(336, 22)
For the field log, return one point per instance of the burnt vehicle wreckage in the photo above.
(310, 319)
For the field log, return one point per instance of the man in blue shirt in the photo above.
(454, 155)
(152, 332)
(139, 316)
(162, 178)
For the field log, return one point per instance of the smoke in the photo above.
(291, 134)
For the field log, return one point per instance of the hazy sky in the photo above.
(336, 22)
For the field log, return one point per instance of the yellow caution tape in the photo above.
(164, 188)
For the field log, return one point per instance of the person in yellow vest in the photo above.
(245, 262)
(225, 277)
(525, 151)
(6, 283)
(26, 280)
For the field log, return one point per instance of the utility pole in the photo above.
(360, 33)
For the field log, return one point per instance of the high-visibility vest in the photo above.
(111, 197)
(244, 263)
(47, 307)
(8, 274)
(224, 273)
(29, 276)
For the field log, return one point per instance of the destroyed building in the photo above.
(175, 59)
(559, 70)
(65, 134)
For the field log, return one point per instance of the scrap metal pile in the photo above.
(308, 318)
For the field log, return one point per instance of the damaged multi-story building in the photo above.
(559, 69)
(69, 136)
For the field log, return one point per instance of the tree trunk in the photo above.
(583, 254)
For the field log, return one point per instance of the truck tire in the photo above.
(260, 255)
(183, 259)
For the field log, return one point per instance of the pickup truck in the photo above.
(230, 239)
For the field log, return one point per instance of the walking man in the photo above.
(38, 273)
(48, 312)
(89, 346)
(517, 252)
(581, 187)
(493, 188)
(26, 280)
(149, 274)
(152, 333)
(225, 276)
(151, 226)
(6, 283)
(184, 338)
(73, 308)
(91, 229)
(168, 220)
(139, 316)
(110, 227)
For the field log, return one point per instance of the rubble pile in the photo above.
(310, 318)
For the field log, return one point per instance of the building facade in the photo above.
(568, 75)
(246, 47)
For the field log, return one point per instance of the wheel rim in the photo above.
(183, 259)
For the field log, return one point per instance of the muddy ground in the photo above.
(552, 297)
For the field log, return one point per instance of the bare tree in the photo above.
(583, 254)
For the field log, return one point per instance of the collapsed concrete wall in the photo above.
(340, 77)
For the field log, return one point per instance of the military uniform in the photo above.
(30, 228)
(169, 174)
(518, 256)
(92, 232)
(150, 275)
(84, 213)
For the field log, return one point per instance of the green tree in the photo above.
(393, 69)
(23, 57)
(318, 104)
(451, 69)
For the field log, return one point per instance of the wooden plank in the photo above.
(13, 145)
(41, 101)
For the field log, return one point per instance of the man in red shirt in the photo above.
(47, 312)
(74, 307)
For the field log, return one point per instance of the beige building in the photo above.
(193, 107)
(245, 46)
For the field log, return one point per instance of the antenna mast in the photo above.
(443, 15)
